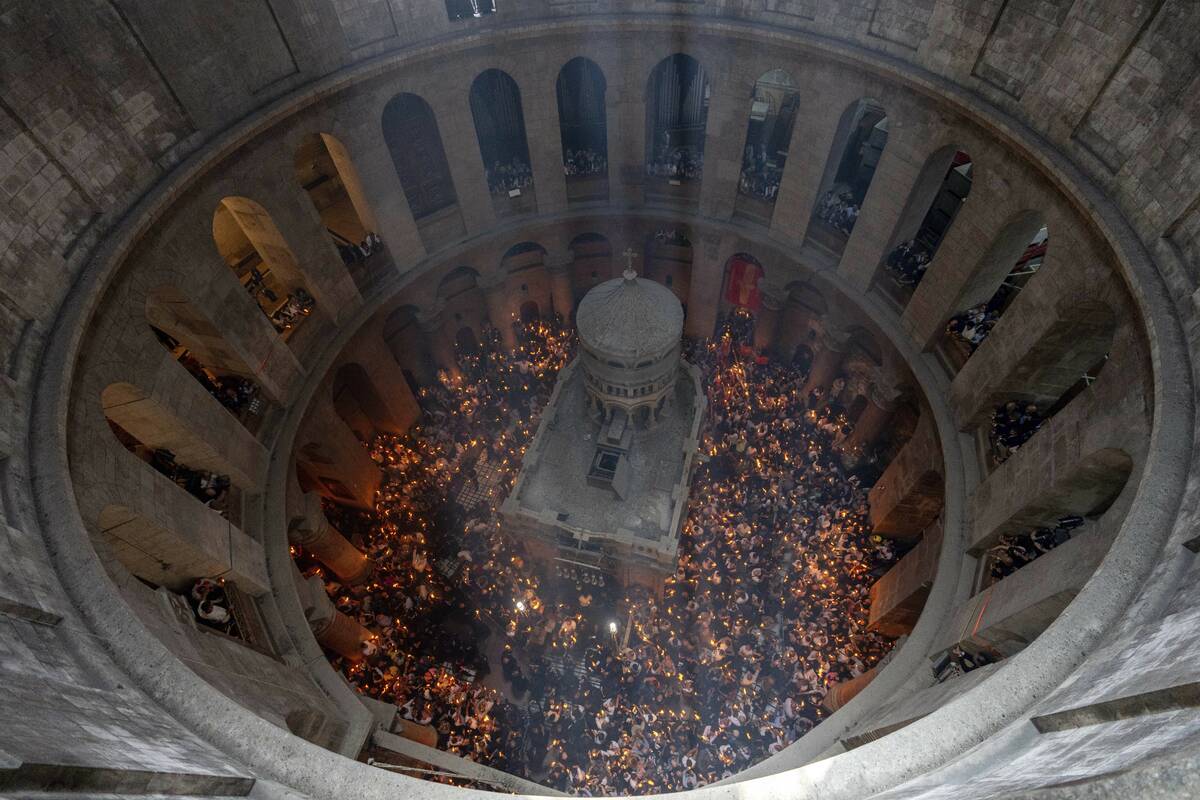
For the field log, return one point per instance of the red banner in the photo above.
(742, 287)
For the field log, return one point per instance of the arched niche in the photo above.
(677, 97)
(415, 143)
(583, 128)
(500, 131)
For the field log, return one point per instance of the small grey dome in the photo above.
(630, 317)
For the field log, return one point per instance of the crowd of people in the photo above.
(677, 163)
(358, 253)
(584, 161)
(760, 177)
(972, 326)
(603, 689)
(209, 488)
(1015, 550)
(1012, 426)
(210, 603)
(513, 176)
(298, 305)
(672, 237)
(236, 393)
(838, 210)
(908, 262)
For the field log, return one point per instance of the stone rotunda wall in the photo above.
(124, 127)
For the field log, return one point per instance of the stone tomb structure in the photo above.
(603, 490)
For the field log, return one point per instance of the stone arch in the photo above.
(457, 282)
(254, 249)
(771, 116)
(858, 145)
(410, 130)
(327, 174)
(583, 129)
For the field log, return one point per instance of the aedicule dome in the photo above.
(630, 317)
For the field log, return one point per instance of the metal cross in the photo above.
(630, 255)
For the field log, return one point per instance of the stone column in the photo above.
(383, 190)
(337, 632)
(766, 321)
(453, 111)
(898, 171)
(293, 214)
(724, 137)
(626, 109)
(979, 242)
(704, 287)
(843, 692)
(369, 350)
(500, 315)
(439, 347)
(540, 104)
(562, 292)
(898, 598)
(791, 333)
(881, 402)
(313, 531)
(826, 361)
(332, 452)
(909, 495)
(814, 133)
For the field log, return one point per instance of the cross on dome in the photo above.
(630, 273)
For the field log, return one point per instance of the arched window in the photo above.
(858, 145)
(768, 135)
(935, 200)
(500, 129)
(676, 121)
(469, 9)
(412, 137)
(328, 176)
(582, 122)
(252, 246)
